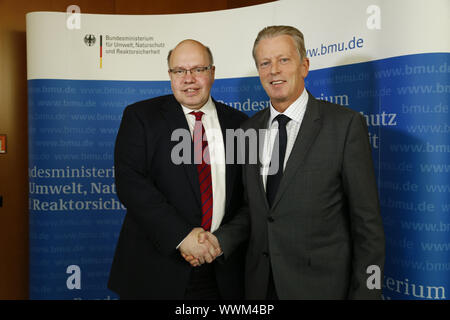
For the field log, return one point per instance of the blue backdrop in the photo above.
(75, 216)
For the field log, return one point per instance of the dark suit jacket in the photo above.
(163, 204)
(325, 227)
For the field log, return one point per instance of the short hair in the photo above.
(208, 51)
(275, 31)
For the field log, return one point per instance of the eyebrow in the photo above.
(186, 68)
(279, 56)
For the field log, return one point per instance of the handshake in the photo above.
(200, 246)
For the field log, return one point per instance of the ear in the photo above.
(305, 67)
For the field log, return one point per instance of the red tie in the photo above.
(201, 158)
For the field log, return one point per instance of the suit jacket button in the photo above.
(265, 254)
(270, 219)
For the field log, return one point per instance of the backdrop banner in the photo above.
(389, 60)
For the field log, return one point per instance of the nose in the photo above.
(189, 78)
(274, 68)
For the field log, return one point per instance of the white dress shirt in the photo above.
(295, 112)
(216, 146)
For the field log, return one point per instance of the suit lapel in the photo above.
(255, 170)
(309, 129)
(230, 169)
(176, 119)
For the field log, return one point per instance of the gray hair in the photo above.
(275, 31)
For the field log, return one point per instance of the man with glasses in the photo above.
(169, 202)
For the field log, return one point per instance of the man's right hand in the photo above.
(199, 247)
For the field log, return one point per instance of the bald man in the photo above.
(172, 196)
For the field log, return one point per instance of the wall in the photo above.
(13, 116)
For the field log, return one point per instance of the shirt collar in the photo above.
(208, 107)
(295, 111)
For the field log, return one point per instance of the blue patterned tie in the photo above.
(278, 154)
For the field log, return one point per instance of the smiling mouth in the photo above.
(276, 82)
(191, 90)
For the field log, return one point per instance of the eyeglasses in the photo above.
(197, 71)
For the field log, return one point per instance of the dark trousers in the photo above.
(202, 284)
(271, 290)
